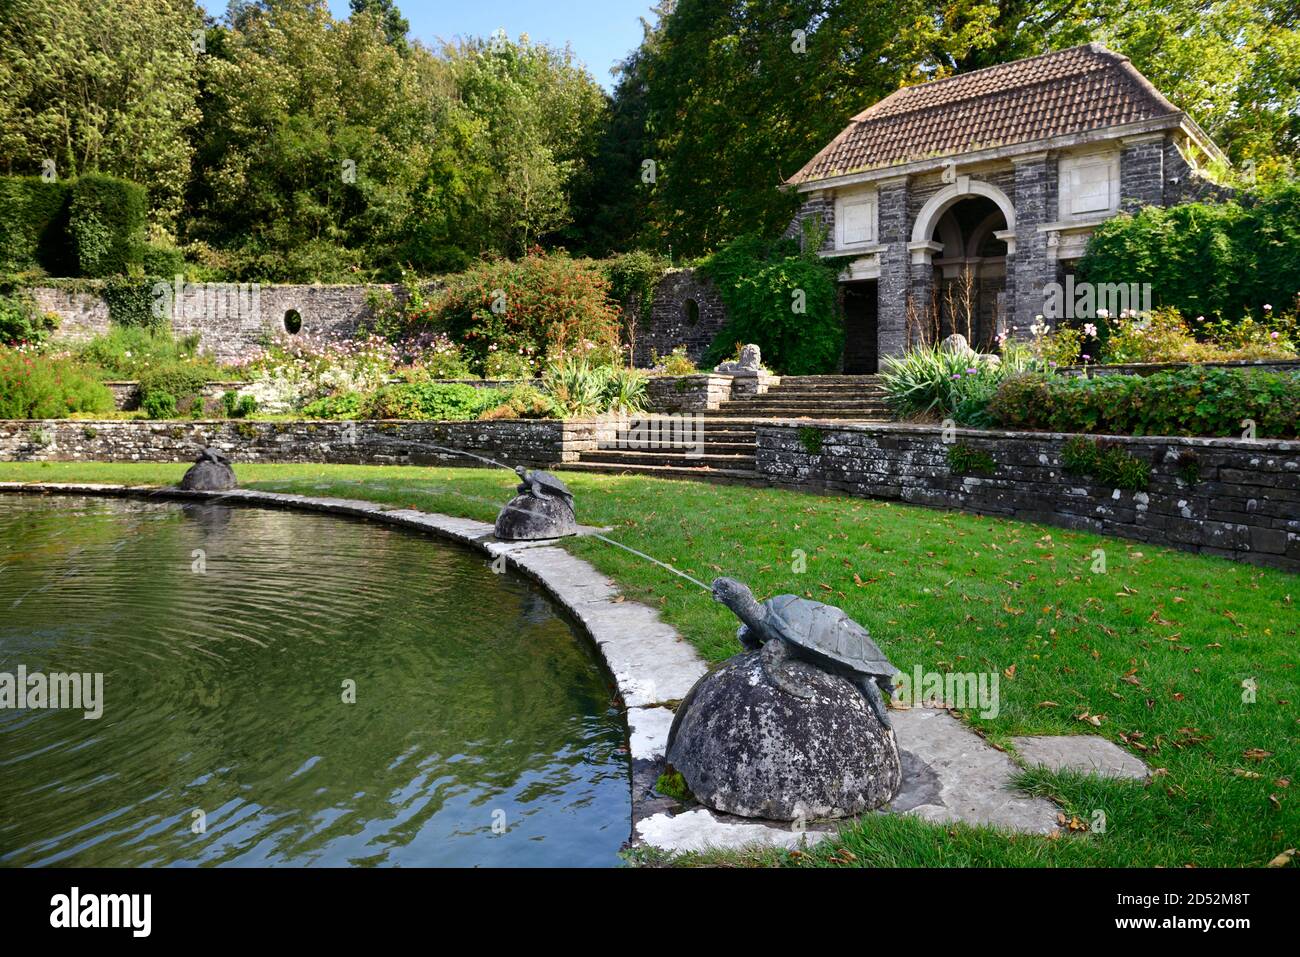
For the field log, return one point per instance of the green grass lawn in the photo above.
(1156, 649)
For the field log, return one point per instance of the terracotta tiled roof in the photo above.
(1056, 94)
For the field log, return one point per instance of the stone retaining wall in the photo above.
(534, 443)
(231, 322)
(1243, 503)
(704, 391)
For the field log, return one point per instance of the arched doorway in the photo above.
(970, 271)
(964, 233)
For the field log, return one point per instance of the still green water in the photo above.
(483, 730)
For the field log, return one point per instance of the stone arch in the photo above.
(939, 203)
(980, 234)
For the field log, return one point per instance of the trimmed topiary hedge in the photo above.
(106, 224)
(1191, 401)
(33, 225)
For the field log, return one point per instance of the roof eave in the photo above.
(931, 164)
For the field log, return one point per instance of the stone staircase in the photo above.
(729, 431)
(856, 397)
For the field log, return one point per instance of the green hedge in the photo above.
(1192, 401)
(1222, 260)
(106, 224)
(34, 224)
(428, 401)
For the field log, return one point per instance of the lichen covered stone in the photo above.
(746, 747)
(529, 518)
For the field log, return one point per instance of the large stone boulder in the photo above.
(206, 475)
(745, 747)
(528, 518)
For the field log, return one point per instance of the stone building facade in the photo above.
(956, 203)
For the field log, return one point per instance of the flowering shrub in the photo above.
(1163, 336)
(292, 371)
(129, 352)
(1190, 401)
(46, 387)
(21, 322)
(1061, 346)
(540, 308)
(676, 362)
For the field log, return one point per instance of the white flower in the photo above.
(1103, 313)
(1089, 329)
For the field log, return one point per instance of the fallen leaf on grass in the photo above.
(1283, 859)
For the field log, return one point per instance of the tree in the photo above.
(396, 26)
(101, 86)
(317, 135)
(540, 114)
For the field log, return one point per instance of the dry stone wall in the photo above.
(1235, 498)
(536, 443)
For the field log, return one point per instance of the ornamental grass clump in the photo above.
(930, 383)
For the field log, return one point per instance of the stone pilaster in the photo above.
(1142, 172)
(1028, 268)
(895, 270)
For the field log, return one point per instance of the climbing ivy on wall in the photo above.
(781, 297)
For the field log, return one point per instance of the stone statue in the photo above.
(788, 627)
(956, 345)
(211, 472)
(794, 727)
(750, 362)
(542, 508)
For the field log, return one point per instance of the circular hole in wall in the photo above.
(292, 321)
(691, 312)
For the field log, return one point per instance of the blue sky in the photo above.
(601, 32)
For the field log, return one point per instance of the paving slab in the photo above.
(1086, 753)
(950, 773)
(648, 732)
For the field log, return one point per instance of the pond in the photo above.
(285, 689)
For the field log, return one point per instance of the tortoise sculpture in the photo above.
(541, 508)
(211, 472)
(789, 628)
